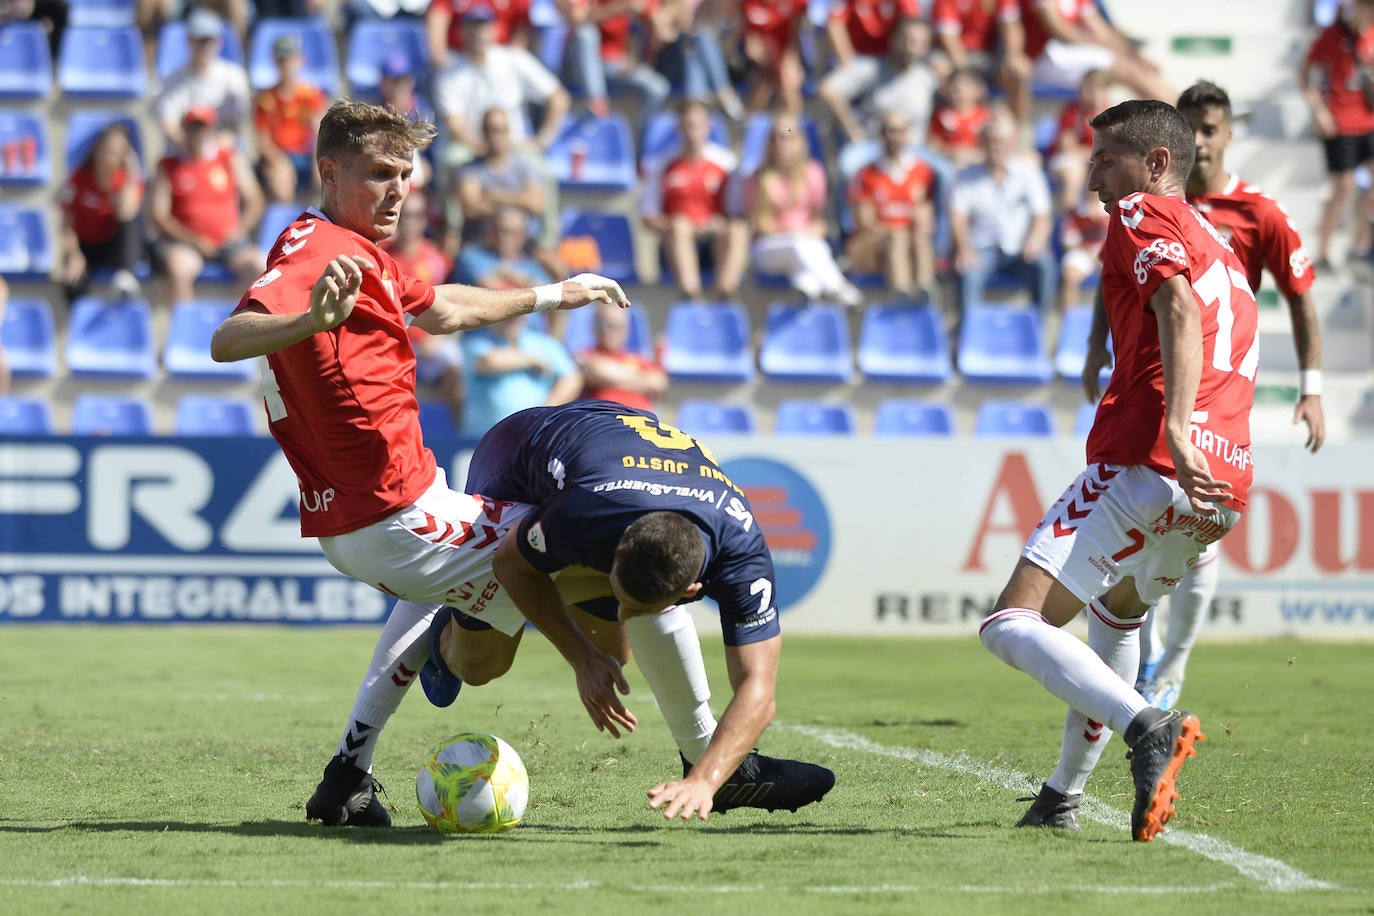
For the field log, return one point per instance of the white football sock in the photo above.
(668, 653)
(1063, 664)
(1187, 612)
(401, 652)
(1114, 639)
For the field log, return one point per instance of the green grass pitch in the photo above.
(154, 770)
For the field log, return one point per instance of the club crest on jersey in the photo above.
(1152, 254)
(267, 278)
(535, 537)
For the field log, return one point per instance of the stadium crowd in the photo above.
(854, 152)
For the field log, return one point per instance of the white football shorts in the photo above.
(1117, 521)
(437, 551)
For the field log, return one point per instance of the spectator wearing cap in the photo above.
(286, 118)
(444, 25)
(203, 202)
(206, 80)
(490, 75)
(603, 57)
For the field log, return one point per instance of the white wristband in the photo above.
(1311, 383)
(548, 297)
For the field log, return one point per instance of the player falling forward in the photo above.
(1262, 236)
(1169, 464)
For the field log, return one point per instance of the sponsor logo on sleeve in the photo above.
(1152, 254)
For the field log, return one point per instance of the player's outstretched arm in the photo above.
(1307, 341)
(753, 670)
(600, 680)
(252, 331)
(1180, 350)
(461, 308)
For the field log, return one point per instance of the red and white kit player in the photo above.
(1169, 465)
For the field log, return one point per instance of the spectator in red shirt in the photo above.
(894, 218)
(684, 202)
(864, 27)
(988, 35)
(100, 207)
(957, 125)
(772, 46)
(444, 25)
(286, 118)
(1343, 54)
(1073, 139)
(610, 372)
(1067, 38)
(202, 203)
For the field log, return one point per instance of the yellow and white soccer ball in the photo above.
(473, 783)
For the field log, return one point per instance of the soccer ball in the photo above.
(473, 783)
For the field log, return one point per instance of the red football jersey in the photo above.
(341, 403)
(694, 188)
(959, 129)
(92, 208)
(1074, 129)
(1340, 53)
(974, 21)
(869, 23)
(1149, 240)
(1036, 37)
(205, 197)
(510, 16)
(1262, 234)
(894, 189)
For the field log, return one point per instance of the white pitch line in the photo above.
(1272, 873)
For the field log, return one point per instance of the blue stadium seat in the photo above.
(703, 418)
(83, 124)
(808, 343)
(661, 140)
(1072, 348)
(316, 38)
(102, 14)
(173, 52)
(212, 415)
(579, 333)
(25, 61)
(754, 143)
(607, 149)
(436, 420)
(372, 41)
(614, 241)
(23, 127)
(814, 418)
(111, 415)
(102, 62)
(708, 342)
(25, 416)
(26, 244)
(913, 418)
(1083, 419)
(275, 218)
(114, 338)
(29, 338)
(902, 343)
(186, 355)
(1003, 343)
(1008, 419)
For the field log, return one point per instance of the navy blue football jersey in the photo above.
(591, 468)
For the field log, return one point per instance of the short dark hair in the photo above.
(349, 128)
(1142, 125)
(658, 556)
(1205, 94)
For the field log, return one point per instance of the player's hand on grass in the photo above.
(683, 798)
(336, 291)
(587, 288)
(1195, 477)
(1098, 358)
(600, 683)
(1309, 411)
